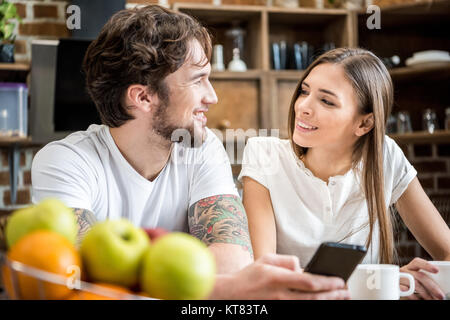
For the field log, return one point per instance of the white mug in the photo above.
(442, 278)
(378, 282)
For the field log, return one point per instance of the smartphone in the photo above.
(336, 259)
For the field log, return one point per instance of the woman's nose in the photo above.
(303, 106)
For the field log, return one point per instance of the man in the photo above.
(147, 73)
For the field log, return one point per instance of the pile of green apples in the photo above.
(161, 264)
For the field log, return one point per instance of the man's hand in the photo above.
(278, 277)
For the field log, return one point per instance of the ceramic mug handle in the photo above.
(412, 284)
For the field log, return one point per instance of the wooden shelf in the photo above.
(422, 137)
(252, 8)
(433, 12)
(15, 66)
(308, 11)
(215, 9)
(230, 75)
(21, 141)
(286, 74)
(435, 71)
(419, 7)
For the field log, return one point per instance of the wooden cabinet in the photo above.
(406, 29)
(260, 97)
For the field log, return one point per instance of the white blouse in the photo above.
(307, 210)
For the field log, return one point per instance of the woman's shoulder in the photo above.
(266, 143)
(268, 154)
(391, 149)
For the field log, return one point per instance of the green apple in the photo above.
(178, 267)
(49, 214)
(112, 252)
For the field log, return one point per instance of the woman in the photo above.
(337, 174)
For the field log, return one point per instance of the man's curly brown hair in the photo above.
(138, 46)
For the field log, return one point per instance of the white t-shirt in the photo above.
(307, 210)
(86, 170)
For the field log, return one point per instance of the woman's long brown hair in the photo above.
(373, 87)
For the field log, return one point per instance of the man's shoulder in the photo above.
(210, 145)
(77, 145)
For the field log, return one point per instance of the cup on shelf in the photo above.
(217, 61)
(403, 122)
(430, 123)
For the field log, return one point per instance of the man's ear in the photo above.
(138, 96)
(366, 124)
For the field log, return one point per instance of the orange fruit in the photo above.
(45, 250)
(111, 292)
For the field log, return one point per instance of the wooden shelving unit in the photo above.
(228, 75)
(15, 66)
(14, 72)
(433, 71)
(419, 7)
(261, 96)
(422, 137)
(406, 29)
(258, 97)
(6, 141)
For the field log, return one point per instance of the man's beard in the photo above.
(190, 136)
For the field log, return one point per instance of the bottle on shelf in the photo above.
(237, 64)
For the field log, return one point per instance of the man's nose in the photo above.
(210, 96)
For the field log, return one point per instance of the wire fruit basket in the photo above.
(43, 278)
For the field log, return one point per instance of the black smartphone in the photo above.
(336, 259)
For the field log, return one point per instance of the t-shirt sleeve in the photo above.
(211, 174)
(59, 171)
(398, 171)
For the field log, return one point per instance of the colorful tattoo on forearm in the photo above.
(220, 219)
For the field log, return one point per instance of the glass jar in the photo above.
(403, 122)
(447, 118)
(430, 123)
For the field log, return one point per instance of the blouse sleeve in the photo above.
(398, 171)
(259, 160)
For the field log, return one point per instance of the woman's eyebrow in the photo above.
(328, 92)
(322, 90)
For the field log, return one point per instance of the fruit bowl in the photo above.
(42, 277)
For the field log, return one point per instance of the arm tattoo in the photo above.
(85, 220)
(220, 219)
